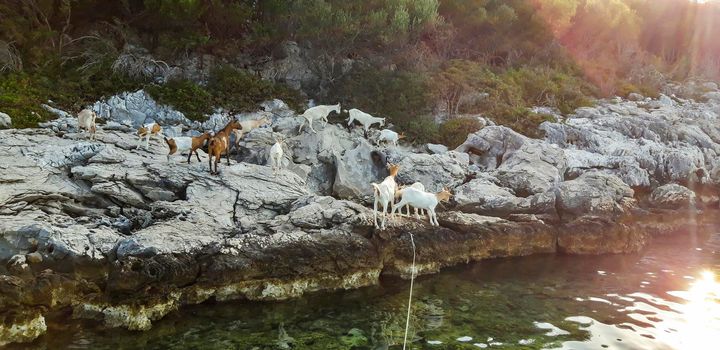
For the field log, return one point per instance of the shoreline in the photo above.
(107, 232)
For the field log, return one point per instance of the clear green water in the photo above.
(614, 302)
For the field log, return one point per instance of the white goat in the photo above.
(146, 131)
(365, 119)
(398, 194)
(276, 156)
(385, 194)
(318, 112)
(387, 135)
(86, 121)
(424, 200)
(248, 125)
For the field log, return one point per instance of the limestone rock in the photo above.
(5, 121)
(138, 108)
(592, 193)
(672, 196)
(596, 235)
(525, 165)
(434, 171)
(484, 197)
(436, 149)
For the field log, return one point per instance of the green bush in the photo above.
(240, 91)
(21, 99)
(510, 92)
(69, 88)
(625, 88)
(454, 132)
(186, 96)
(523, 121)
(227, 87)
(404, 98)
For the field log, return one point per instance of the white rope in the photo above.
(412, 278)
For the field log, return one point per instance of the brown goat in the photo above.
(182, 144)
(220, 143)
(147, 131)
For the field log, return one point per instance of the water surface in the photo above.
(664, 298)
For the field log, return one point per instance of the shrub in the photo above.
(625, 88)
(240, 91)
(523, 121)
(184, 95)
(454, 132)
(68, 88)
(21, 99)
(403, 98)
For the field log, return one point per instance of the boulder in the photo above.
(634, 96)
(434, 171)
(433, 148)
(482, 196)
(525, 165)
(5, 121)
(593, 193)
(138, 108)
(323, 212)
(354, 171)
(672, 196)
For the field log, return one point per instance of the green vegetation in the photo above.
(184, 95)
(68, 88)
(404, 60)
(401, 97)
(227, 87)
(241, 91)
(454, 132)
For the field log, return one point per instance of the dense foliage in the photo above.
(411, 60)
(234, 90)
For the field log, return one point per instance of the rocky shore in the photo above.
(104, 231)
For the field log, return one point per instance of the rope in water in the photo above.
(412, 278)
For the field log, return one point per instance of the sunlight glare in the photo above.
(701, 314)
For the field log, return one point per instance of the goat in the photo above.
(424, 200)
(388, 135)
(183, 144)
(86, 121)
(276, 156)
(318, 112)
(249, 125)
(398, 194)
(363, 118)
(385, 193)
(220, 143)
(146, 131)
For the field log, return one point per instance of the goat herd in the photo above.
(386, 193)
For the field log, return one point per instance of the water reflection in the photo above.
(666, 298)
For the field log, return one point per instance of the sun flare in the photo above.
(701, 314)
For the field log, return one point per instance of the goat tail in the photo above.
(376, 188)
